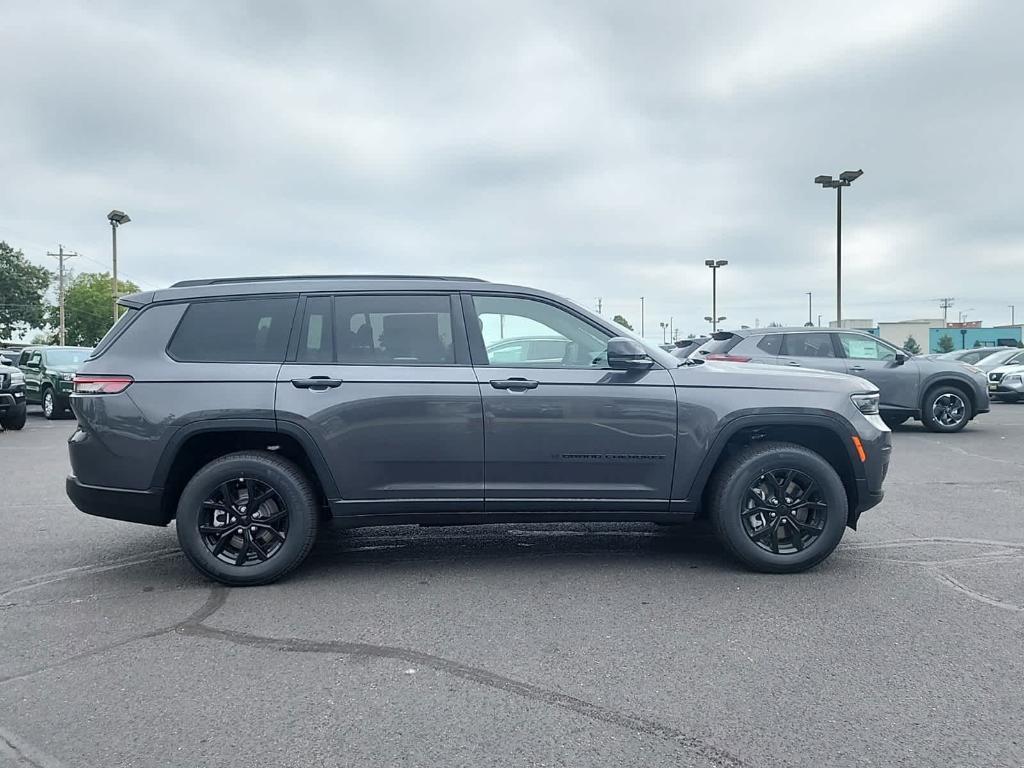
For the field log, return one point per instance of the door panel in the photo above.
(391, 432)
(572, 436)
(384, 386)
(875, 361)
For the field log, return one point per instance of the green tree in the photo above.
(22, 285)
(945, 343)
(88, 307)
(912, 346)
(622, 321)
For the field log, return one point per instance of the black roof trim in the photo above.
(271, 278)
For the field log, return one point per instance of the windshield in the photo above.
(66, 356)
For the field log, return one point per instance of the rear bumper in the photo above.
(144, 507)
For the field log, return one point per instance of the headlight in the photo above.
(17, 377)
(866, 404)
(67, 377)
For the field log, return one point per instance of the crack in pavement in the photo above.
(714, 755)
(21, 753)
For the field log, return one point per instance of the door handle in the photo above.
(317, 382)
(516, 385)
(793, 362)
(857, 368)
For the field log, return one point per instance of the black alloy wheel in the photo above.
(784, 511)
(778, 507)
(243, 522)
(248, 518)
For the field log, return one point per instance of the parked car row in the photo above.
(944, 394)
(42, 376)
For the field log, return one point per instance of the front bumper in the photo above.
(11, 399)
(144, 507)
(878, 451)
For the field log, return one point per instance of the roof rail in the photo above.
(270, 278)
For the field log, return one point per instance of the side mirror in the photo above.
(901, 358)
(627, 355)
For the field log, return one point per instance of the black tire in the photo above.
(729, 497)
(292, 489)
(15, 417)
(946, 408)
(894, 420)
(52, 407)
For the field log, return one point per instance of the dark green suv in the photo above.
(49, 376)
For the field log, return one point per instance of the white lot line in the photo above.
(1002, 551)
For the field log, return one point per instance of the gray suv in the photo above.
(944, 394)
(252, 410)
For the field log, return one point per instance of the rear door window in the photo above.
(770, 344)
(234, 331)
(362, 329)
(808, 345)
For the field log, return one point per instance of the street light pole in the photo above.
(641, 317)
(116, 219)
(1011, 315)
(846, 178)
(714, 266)
(810, 317)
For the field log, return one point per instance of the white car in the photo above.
(1006, 383)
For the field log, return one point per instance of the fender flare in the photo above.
(835, 424)
(301, 436)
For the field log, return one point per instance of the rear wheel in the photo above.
(778, 507)
(14, 418)
(945, 409)
(247, 518)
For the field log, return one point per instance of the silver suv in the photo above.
(945, 395)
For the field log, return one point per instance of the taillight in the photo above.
(101, 385)
(728, 358)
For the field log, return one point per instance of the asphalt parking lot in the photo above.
(539, 645)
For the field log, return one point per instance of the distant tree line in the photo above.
(28, 300)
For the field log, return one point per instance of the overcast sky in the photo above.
(592, 149)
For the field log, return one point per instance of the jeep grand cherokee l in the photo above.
(250, 410)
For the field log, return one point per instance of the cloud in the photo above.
(592, 149)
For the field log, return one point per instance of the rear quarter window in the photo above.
(234, 331)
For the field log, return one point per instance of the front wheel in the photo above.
(945, 409)
(51, 409)
(247, 518)
(14, 418)
(778, 507)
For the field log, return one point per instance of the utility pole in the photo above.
(945, 304)
(641, 317)
(599, 305)
(1011, 315)
(671, 328)
(810, 320)
(61, 256)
